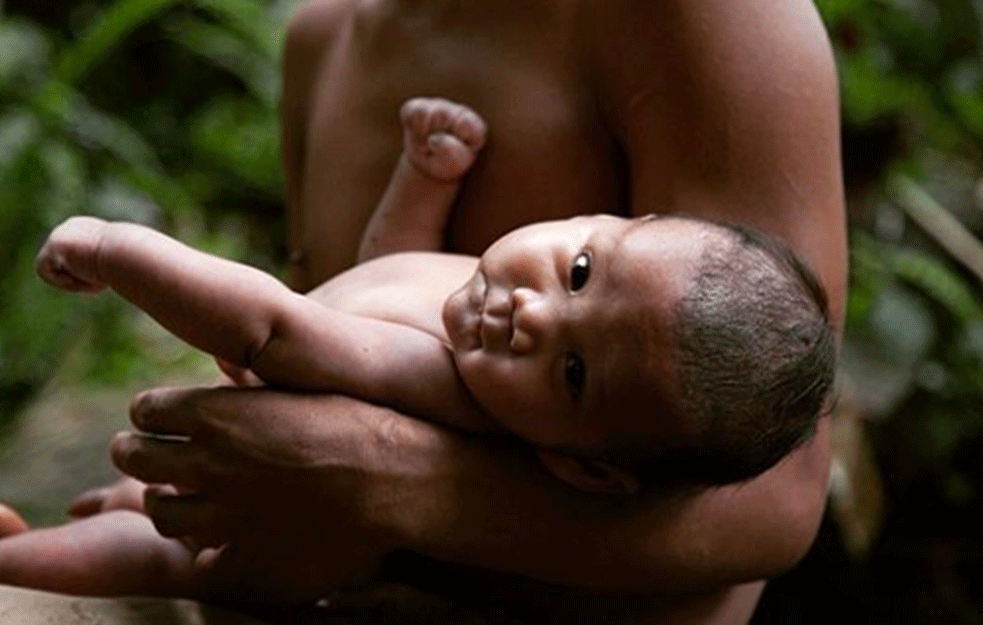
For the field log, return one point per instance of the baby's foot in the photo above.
(441, 138)
(125, 494)
(11, 523)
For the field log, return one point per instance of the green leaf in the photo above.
(244, 138)
(107, 32)
(940, 282)
(92, 128)
(67, 189)
(227, 49)
(19, 130)
(24, 54)
(251, 19)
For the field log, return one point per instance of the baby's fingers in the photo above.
(53, 269)
(67, 260)
(470, 128)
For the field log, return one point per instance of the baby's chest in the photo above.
(408, 289)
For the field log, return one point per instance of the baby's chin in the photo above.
(461, 326)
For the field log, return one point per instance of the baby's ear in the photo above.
(591, 476)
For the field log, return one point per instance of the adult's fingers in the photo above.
(156, 460)
(171, 411)
(191, 515)
(266, 575)
(88, 503)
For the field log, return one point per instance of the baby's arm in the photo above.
(253, 321)
(440, 142)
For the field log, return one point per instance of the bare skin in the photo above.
(330, 342)
(436, 335)
(497, 344)
(534, 338)
(729, 110)
(728, 107)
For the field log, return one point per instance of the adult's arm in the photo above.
(306, 481)
(730, 111)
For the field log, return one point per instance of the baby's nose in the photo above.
(531, 320)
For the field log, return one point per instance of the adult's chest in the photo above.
(548, 154)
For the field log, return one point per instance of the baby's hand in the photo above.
(68, 258)
(441, 138)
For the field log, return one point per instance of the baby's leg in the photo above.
(125, 494)
(113, 553)
(441, 140)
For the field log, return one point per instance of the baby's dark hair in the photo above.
(755, 361)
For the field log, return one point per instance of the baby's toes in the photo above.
(469, 127)
(445, 158)
(423, 117)
(11, 523)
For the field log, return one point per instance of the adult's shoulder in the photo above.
(682, 51)
(316, 22)
(307, 41)
(729, 110)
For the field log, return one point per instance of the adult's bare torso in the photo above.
(524, 69)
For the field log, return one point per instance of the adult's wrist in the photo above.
(409, 479)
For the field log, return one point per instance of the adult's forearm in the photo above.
(336, 483)
(491, 505)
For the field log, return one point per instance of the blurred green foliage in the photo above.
(912, 95)
(911, 75)
(157, 111)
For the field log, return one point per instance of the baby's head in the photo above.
(651, 350)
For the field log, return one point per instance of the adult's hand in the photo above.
(297, 492)
(302, 492)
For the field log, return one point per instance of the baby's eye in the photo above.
(575, 374)
(579, 271)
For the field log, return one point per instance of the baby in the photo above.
(653, 351)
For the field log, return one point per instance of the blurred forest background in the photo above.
(164, 112)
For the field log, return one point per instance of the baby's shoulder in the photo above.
(408, 267)
(407, 288)
(423, 277)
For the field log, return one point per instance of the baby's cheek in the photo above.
(482, 375)
(520, 400)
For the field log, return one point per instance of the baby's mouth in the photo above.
(495, 321)
(477, 298)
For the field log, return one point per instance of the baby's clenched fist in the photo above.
(69, 258)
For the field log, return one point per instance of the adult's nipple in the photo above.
(297, 257)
